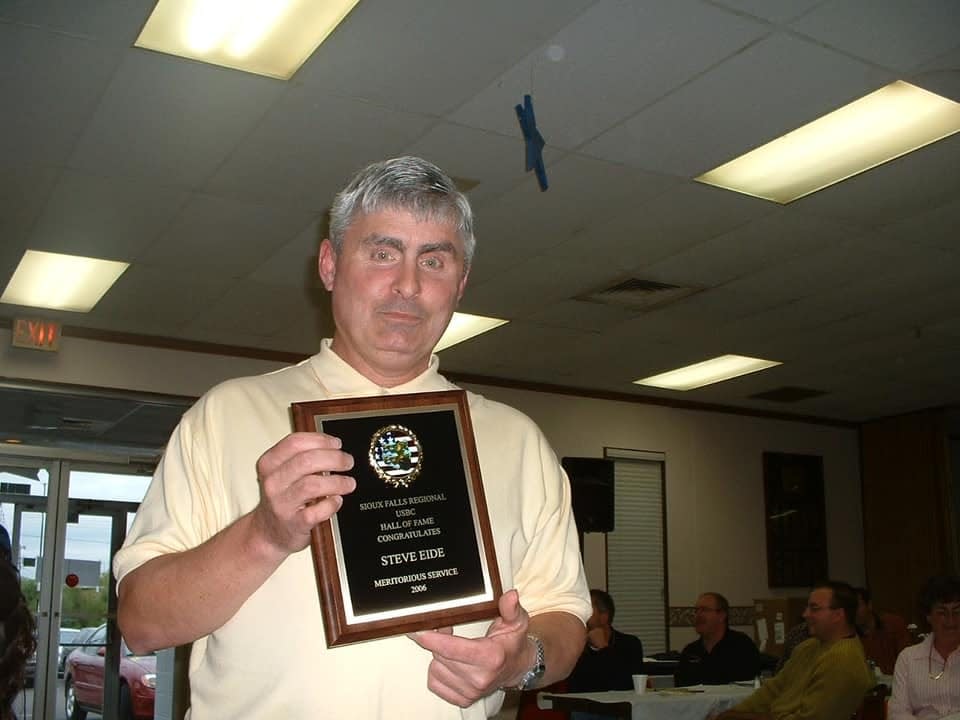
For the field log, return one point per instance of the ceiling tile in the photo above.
(769, 89)
(295, 262)
(773, 10)
(308, 145)
(891, 33)
(452, 48)
(132, 302)
(896, 190)
(171, 120)
(23, 193)
(583, 193)
(617, 57)
(224, 236)
(762, 243)
(104, 218)
(252, 309)
(494, 161)
(113, 22)
(50, 84)
(667, 224)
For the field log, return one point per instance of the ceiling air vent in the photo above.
(639, 295)
(788, 394)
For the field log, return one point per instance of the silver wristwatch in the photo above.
(533, 675)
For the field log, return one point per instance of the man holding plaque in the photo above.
(218, 554)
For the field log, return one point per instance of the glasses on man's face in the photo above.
(944, 612)
(705, 609)
(814, 608)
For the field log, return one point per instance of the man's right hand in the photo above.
(598, 638)
(300, 486)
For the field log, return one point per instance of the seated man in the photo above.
(883, 635)
(610, 658)
(827, 676)
(721, 655)
(926, 679)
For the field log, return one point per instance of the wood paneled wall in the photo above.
(909, 531)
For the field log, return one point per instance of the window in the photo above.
(636, 556)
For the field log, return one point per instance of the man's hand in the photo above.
(299, 488)
(464, 670)
(599, 637)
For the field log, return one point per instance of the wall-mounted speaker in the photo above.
(591, 488)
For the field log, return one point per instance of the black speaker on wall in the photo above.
(591, 489)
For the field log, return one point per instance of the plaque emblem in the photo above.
(395, 455)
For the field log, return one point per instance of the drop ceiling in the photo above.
(213, 184)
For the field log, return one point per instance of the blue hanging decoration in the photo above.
(533, 140)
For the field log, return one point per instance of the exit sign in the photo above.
(36, 334)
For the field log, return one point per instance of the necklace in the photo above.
(930, 666)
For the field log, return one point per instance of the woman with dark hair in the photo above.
(926, 679)
(17, 641)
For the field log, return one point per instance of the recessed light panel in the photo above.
(464, 326)
(61, 282)
(893, 121)
(266, 37)
(707, 372)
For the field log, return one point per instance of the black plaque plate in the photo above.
(411, 548)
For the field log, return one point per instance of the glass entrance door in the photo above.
(66, 520)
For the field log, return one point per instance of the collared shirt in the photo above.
(734, 657)
(915, 693)
(609, 668)
(270, 660)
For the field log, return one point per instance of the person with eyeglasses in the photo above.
(721, 655)
(827, 677)
(926, 678)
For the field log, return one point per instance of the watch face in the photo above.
(539, 667)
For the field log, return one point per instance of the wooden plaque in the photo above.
(411, 548)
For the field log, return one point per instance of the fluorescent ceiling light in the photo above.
(266, 37)
(61, 282)
(464, 326)
(707, 372)
(893, 121)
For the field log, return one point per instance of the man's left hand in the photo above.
(464, 670)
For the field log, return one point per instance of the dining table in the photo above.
(684, 703)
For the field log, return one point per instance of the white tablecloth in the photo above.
(669, 704)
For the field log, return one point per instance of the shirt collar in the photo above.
(340, 379)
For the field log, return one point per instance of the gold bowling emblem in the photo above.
(395, 455)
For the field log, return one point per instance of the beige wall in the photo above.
(715, 515)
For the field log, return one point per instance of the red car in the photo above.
(83, 680)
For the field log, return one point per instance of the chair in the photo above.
(528, 709)
(874, 706)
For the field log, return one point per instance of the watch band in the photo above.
(533, 675)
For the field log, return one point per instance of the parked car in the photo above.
(68, 641)
(83, 680)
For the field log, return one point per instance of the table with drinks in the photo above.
(685, 703)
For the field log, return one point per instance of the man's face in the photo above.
(944, 619)
(821, 618)
(395, 285)
(708, 618)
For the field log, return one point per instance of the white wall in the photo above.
(714, 476)
(715, 514)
